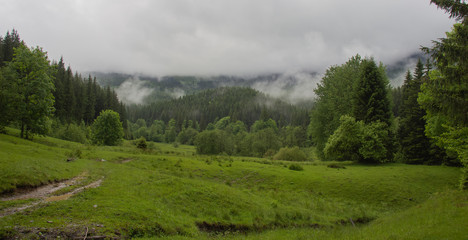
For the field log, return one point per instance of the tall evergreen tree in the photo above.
(371, 102)
(415, 146)
(444, 95)
(59, 92)
(10, 42)
(91, 102)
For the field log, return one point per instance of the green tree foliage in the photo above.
(107, 129)
(141, 143)
(261, 125)
(444, 95)
(156, 131)
(290, 154)
(171, 132)
(70, 132)
(397, 101)
(344, 143)
(258, 143)
(237, 103)
(29, 81)
(334, 99)
(214, 142)
(415, 146)
(6, 95)
(7, 46)
(78, 99)
(187, 136)
(370, 100)
(358, 141)
(294, 136)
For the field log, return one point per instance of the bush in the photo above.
(296, 167)
(290, 154)
(74, 154)
(141, 143)
(357, 141)
(107, 129)
(335, 165)
(214, 142)
(71, 132)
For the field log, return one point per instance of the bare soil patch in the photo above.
(45, 194)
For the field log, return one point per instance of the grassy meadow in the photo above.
(170, 192)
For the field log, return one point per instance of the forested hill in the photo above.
(239, 103)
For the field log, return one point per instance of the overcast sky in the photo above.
(210, 37)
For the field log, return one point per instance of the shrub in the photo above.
(358, 141)
(335, 165)
(141, 143)
(290, 154)
(214, 142)
(71, 132)
(296, 167)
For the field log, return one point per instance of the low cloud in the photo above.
(175, 93)
(133, 91)
(293, 87)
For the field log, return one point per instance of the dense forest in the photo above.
(244, 104)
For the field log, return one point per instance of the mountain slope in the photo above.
(240, 103)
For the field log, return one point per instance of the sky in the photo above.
(222, 37)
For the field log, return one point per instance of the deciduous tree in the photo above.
(107, 129)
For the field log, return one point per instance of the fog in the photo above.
(133, 91)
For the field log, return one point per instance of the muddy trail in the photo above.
(45, 194)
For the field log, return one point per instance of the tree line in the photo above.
(239, 103)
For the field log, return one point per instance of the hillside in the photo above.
(244, 104)
(172, 193)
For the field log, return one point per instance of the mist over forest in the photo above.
(293, 87)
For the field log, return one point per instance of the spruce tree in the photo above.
(371, 102)
(91, 102)
(415, 146)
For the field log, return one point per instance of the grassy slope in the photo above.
(169, 191)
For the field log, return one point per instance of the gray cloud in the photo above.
(133, 91)
(292, 87)
(210, 37)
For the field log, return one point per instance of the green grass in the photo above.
(170, 192)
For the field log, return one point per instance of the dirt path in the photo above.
(44, 194)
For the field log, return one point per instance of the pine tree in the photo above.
(70, 98)
(59, 92)
(9, 43)
(90, 103)
(415, 146)
(444, 95)
(371, 102)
